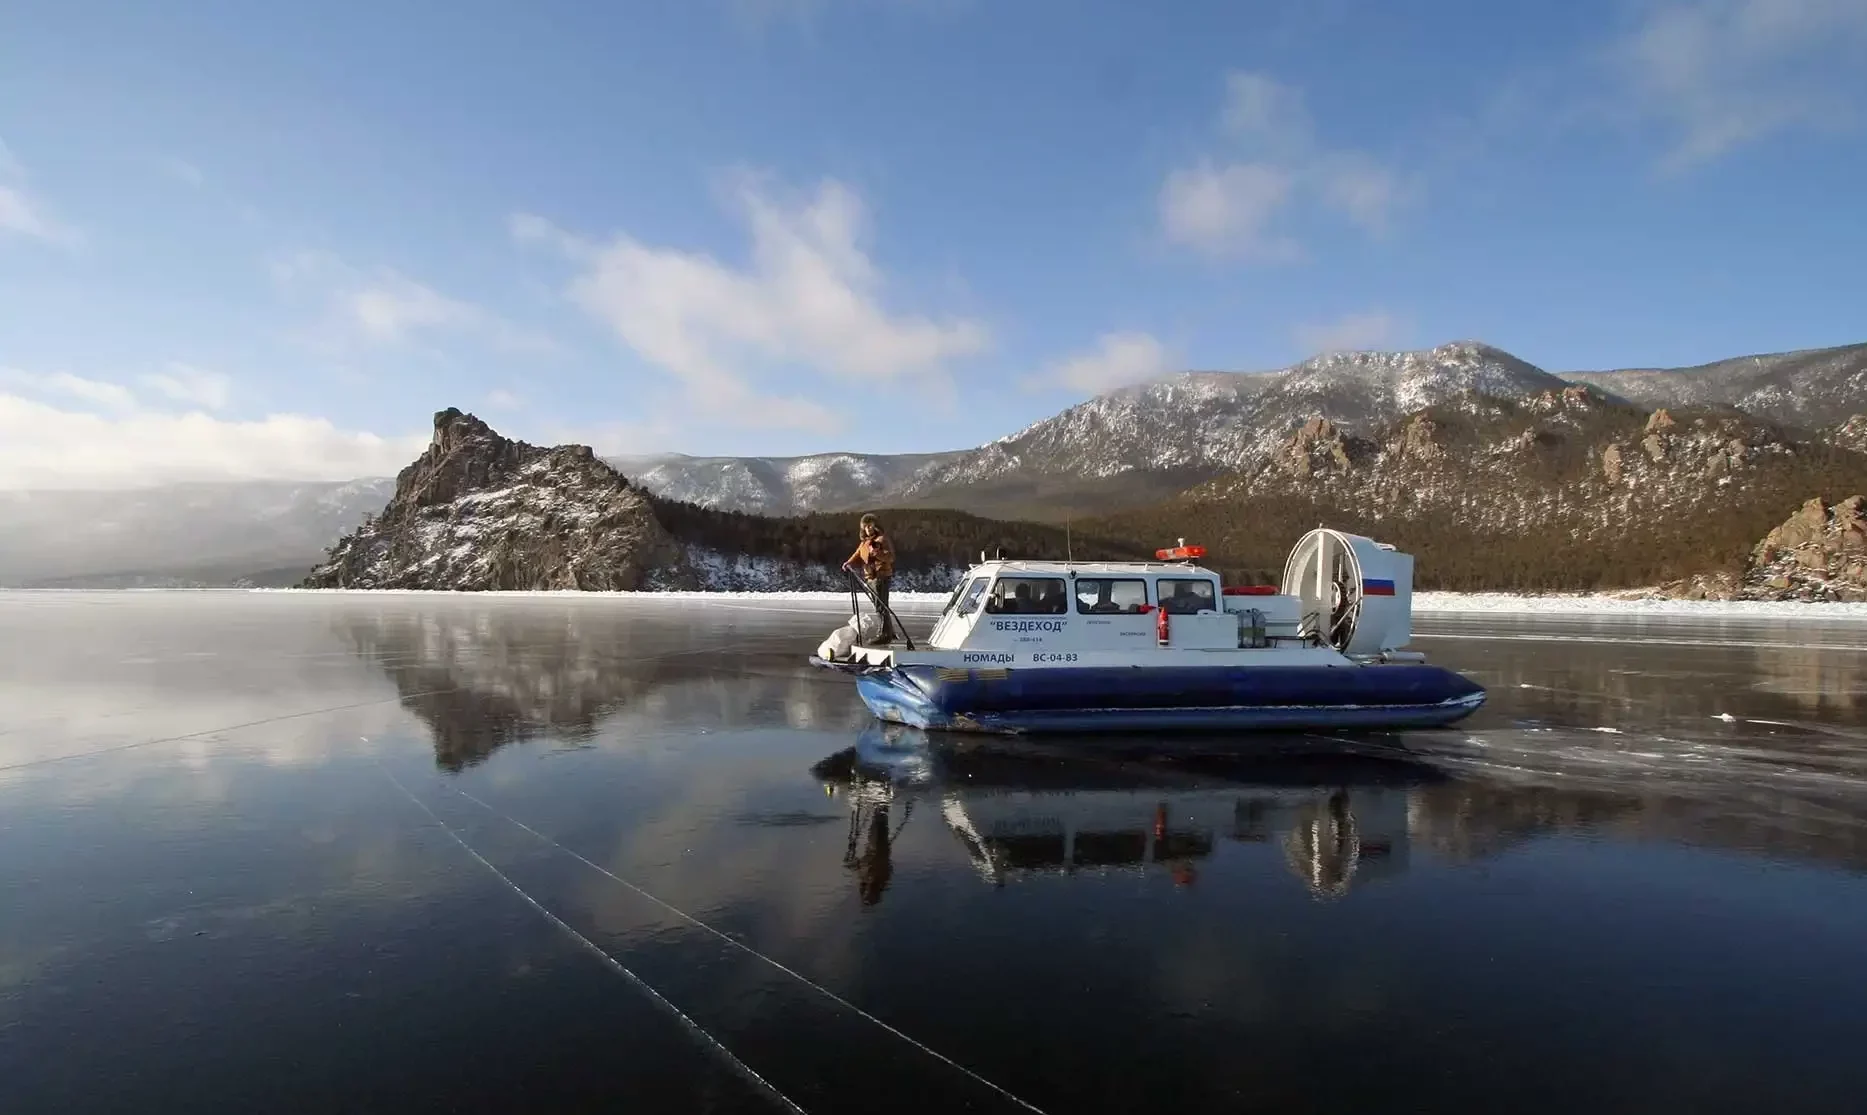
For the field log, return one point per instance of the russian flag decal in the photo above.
(1377, 588)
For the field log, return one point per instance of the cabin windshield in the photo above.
(965, 599)
(1028, 596)
(1110, 595)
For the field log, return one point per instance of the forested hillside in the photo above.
(923, 539)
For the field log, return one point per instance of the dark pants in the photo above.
(879, 586)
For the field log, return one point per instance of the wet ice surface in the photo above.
(1635, 881)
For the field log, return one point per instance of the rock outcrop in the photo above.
(1819, 553)
(1851, 434)
(1319, 445)
(477, 511)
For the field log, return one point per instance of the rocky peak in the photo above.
(467, 455)
(453, 426)
(480, 511)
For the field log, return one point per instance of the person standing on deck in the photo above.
(874, 559)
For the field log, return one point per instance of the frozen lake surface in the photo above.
(323, 852)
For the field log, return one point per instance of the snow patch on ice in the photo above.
(1498, 603)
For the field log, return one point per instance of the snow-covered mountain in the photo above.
(778, 485)
(1208, 423)
(1563, 490)
(1812, 388)
(210, 533)
(1148, 442)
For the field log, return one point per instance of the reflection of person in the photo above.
(1323, 848)
(874, 559)
(874, 866)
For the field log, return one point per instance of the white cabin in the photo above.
(1107, 605)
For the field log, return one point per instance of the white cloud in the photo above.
(808, 299)
(181, 170)
(21, 213)
(391, 307)
(386, 307)
(1370, 330)
(1360, 188)
(185, 383)
(1232, 207)
(1260, 107)
(43, 445)
(656, 434)
(531, 229)
(1119, 360)
(65, 385)
(1722, 73)
(1227, 210)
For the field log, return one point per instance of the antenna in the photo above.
(1069, 552)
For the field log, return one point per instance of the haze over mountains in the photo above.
(1131, 447)
(212, 533)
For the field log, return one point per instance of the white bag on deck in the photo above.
(859, 629)
(837, 645)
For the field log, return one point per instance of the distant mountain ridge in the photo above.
(1135, 447)
(1812, 389)
(1149, 442)
(779, 485)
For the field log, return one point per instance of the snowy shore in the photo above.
(1618, 604)
(1424, 603)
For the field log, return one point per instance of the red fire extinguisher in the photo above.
(1160, 627)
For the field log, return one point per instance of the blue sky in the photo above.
(241, 239)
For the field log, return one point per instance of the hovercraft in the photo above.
(1066, 646)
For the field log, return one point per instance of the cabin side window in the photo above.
(1028, 596)
(1186, 595)
(969, 602)
(1106, 596)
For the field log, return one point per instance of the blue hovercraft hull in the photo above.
(1222, 698)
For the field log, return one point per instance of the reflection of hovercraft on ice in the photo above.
(1065, 646)
(1018, 818)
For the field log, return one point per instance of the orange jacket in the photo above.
(874, 557)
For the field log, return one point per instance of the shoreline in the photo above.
(1618, 603)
